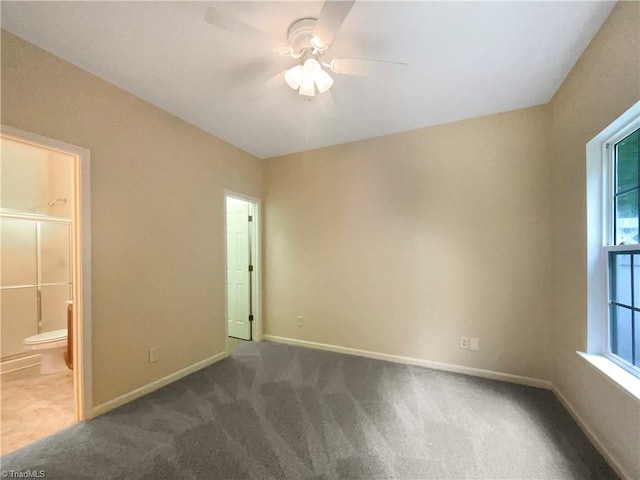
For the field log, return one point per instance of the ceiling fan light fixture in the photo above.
(294, 76)
(308, 39)
(323, 80)
(311, 66)
(307, 87)
(307, 77)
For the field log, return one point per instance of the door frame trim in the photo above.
(82, 373)
(256, 248)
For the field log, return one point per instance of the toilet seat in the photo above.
(48, 339)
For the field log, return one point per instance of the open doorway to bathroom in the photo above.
(43, 286)
(243, 272)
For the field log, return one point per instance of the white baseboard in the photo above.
(19, 363)
(476, 372)
(150, 387)
(600, 446)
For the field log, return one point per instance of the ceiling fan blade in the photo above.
(330, 20)
(274, 82)
(231, 24)
(263, 89)
(362, 66)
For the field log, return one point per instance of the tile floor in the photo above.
(34, 406)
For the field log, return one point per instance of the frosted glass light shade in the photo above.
(311, 66)
(307, 77)
(323, 80)
(307, 87)
(294, 77)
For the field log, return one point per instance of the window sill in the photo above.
(617, 375)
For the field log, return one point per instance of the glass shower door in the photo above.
(35, 280)
(18, 284)
(55, 272)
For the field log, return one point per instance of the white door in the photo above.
(238, 261)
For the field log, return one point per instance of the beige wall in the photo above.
(31, 176)
(157, 214)
(24, 177)
(603, 84)
(61, 179)
(401, 244)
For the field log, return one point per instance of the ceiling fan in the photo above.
(308, 40)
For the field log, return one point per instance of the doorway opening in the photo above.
(45, 286)
(242, 261)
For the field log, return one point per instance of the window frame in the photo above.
(608, 159)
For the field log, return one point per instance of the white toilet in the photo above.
(51, 345)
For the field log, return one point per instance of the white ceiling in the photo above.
(466, 59)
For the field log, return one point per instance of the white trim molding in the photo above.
(19, 363)
(593, 438)
(618, 376)
(256, 256)
(599, 185)
(447, 367)
(155, 385)
(82, 373)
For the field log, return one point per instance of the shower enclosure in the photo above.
(36, 249)
(35, 278)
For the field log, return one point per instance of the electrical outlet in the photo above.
(300, 320)
(474, 343)
(154, 354)
(464, 342)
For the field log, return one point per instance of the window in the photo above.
(622, 246)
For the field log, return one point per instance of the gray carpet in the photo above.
(274, 411)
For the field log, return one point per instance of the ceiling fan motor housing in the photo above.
(300, 34)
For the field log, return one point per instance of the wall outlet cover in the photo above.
(464, 342)
(154, 354)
